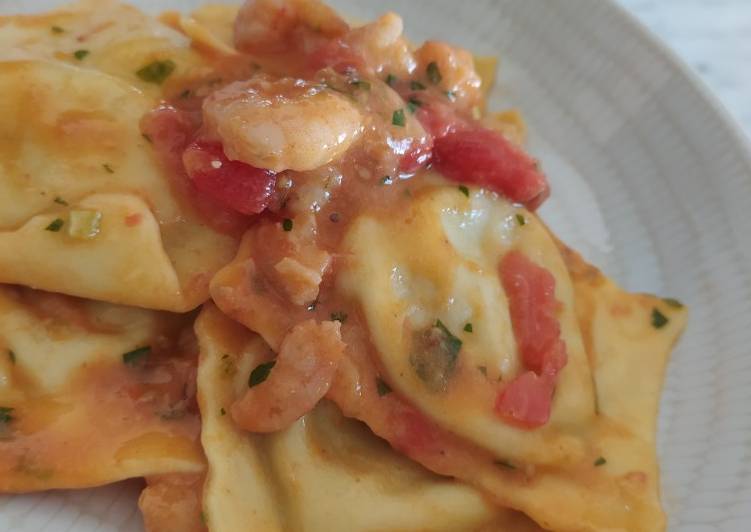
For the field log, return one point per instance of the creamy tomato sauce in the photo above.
(331, 122)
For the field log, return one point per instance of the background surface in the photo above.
(713, 37)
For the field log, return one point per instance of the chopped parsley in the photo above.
(55, 225)
(12, 356)
(659, 320)
(390, 80)
(80, 54)
(6, 414)
(434, 355)
(156, 71)
(504, 463)
(203, 514)
(386, 180)
(222, 411)
(108, 168)
(521, 220)
(133, 358)
(382, 387)
(287, 224)
(464, 190)
(360, 84)
(468, 328)
(60, 200)
(147, 138)
(57, 29)
(413, 104)
(451, 95)
(434, 73)
(339, 316)
(260, 373)
(416, 86)
(600, 462)
(672, 302)
(398, 119)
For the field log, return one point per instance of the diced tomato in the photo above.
(526, 400)
(438, 118)
(531, 294)
(170, 130)
(484, 157)
(236, 185)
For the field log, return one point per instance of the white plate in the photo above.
(650, 180)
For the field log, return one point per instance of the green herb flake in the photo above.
(203, 514)
(55, 225)
(287, 224)
(600, 462)
(361, 84)
(339, 316)
(504, 463)
(398, 118)
(464, 190)
(57, 29)
(157, 71)
(521, 220)
(386, 180)
(453, 342)
(659, 320)
(382, 387)
(81, 54)
(669, 301)
(108, 168)
(12, 356)
(133, 358)
(260, 373)
(222, 412)
(147, 138)
(185, 94)
(391, 80)
(451, 95)
(60, 201)
(468, 328)
(483, 370)
(413, 105)
(416, 86)
(434, 73)
(6, 414)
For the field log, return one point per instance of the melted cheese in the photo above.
(439, 261)
(69, 391)
(325, 473)
(70, 130)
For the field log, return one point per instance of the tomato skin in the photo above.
(526, 400)
(236, 185)
(485, 158)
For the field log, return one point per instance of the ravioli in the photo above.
(66, 384)
(70, 142)
(324, 473)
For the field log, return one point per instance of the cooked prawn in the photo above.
(455, 71)
(281, 124)
(301, 376)
(268, 26)
(383, 46)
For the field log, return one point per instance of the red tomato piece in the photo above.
(483, 157)
(530, 289)
(532, 304)
(236, 185)
(526, 400)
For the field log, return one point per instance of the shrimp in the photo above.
(282, 124)
(382, 45)
(302, 375)
(269, 26)
(455, 71)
